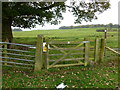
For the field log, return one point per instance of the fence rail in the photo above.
(15, 66)
(17, 44)
(63, 54)
(17, 54)
(17, 63)
(112, 50)
(73, 59)
(16, 50)
(17, 59)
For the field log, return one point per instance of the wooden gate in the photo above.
(68, 53)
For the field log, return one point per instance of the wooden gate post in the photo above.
(39, 52)
(102, 50)
(45, 55)
(5, 51)
(87, 49)
(96, 52)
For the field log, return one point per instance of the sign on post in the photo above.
(45, 47)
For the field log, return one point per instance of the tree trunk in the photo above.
(6, 30)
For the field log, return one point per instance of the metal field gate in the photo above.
(17, 55)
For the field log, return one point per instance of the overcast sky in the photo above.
(109, 16)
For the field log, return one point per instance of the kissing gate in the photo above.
(67, 53)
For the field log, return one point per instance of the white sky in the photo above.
(109, 16)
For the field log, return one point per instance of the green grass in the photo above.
(29, 37)
(101, 76)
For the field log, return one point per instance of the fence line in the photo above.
(43, 52)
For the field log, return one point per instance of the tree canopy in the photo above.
(28, 14)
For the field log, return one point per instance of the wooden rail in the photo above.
(73, 59)
(112, 50)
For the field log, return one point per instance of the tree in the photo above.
(28, 14)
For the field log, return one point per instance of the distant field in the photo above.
(29, 37)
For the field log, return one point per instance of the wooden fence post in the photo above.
(5, 51)
(87, 49)
(102, 50)
(39, 52)
(96, 54)
(45, 55)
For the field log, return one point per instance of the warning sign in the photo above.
(45, 47)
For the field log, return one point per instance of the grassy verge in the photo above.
(102, 76)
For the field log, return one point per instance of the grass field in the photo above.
(68, 34)
(104, 75)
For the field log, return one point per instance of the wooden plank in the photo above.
(66, 48)
(39, 52)
(73, 59)
(66, 65)
(96, 54)
(63, 54)
(58, 49)
(112, 50)
(64, 42)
